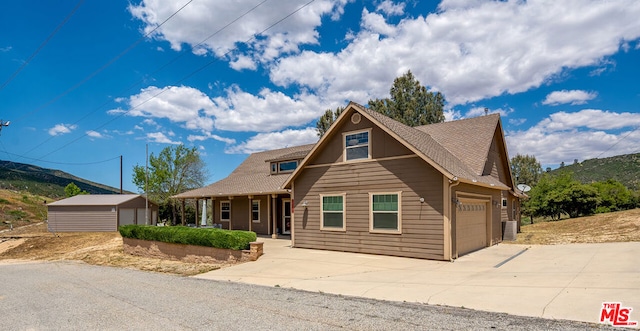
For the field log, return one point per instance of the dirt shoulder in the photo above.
(98, 248)
(620, 226)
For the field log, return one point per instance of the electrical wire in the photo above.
(130, 87)
(181, 80)
(105, 66)
(66, 19)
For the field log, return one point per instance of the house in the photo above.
(100, 212)
(374, 185)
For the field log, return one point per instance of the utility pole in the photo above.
(120, 174)
(146, 185)
(3, 124)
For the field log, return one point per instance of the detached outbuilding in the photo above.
(100, 212)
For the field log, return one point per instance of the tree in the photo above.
(325, 121)
(561, 194)
(72, 190)
(411, 103)
(526, 169)
(614, 196)
(175, 170)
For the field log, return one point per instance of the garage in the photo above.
(471, 225)
(99, 212)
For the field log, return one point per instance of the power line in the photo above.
(109, 63)
(66, 19)
(182, 79)
(61, 163)
(130, 87)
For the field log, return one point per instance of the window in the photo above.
(332, 216)
(287, 166)
(356, 146)
(274, 168)
(504, 203)
(385, 212)
(225, 210)
(255, 211)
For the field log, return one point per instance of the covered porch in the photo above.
(264, 214)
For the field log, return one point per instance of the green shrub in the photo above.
(218, 238)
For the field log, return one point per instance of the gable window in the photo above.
(274, 168)
(356, 145)
(255, 211)
(287, 166)
(385, 212)
(332, 212)
(225, 210)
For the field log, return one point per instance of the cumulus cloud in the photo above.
(589, 133)
(208, 136)
(94, 134)
(160, 137)
(210, 26)
(390, 8)
(574, 97)
(60, 129)
(465, 51)
(274, 140)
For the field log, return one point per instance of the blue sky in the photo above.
(231, 78)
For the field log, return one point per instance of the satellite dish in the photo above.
(524, 188)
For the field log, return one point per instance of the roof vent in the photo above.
(355, 118)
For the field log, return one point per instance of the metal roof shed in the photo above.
(99, 212)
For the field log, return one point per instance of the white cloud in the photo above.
(589, 133)
(465, 51)
(390, 8)
(203, 24)
(207, 136)
(480, 111)
(274, 140)
(94, 134)
(574, 97)
(5, 49)
(60, 129)
(235, 111)
(159, 137)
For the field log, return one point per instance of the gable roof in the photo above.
(95, 200)
(251, 177)
(432, 144)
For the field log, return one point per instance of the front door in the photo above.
(286, 216)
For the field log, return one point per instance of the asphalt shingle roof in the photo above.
(95, 200)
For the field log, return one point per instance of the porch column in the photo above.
(274, 209)
(182, 212)
(250, 212)
(197, 205)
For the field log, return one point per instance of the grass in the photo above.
(619, 226)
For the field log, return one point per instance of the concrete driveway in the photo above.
(556, 282)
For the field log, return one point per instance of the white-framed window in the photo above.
(357, 145)
(255, 211)
(332, 212)
(287, 166)
(385, 212)
(225, 211)
(274, 168)
(504, 203)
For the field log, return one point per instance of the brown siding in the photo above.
(240, 216)
(82, 219)
(422, 232)
(496, 211)
(496, 164)
(382, 144)
(263, 226)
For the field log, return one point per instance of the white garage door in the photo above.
(127, 216)
(471, 225)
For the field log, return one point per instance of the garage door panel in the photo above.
(471, 225)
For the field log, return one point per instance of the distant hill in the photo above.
(45, 182)
(623, 168)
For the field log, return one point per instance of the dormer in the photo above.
(286, 164)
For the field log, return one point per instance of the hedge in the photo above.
(210, 237)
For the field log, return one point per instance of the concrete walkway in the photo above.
(556, 282)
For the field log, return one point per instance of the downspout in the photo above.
(452, 183)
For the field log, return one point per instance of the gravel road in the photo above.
(74, 296)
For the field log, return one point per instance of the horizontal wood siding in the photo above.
(496, 211)
(422, 225)
(240, 216)
(496, 164)
(263, 226)
(382, 144)
(85, 219)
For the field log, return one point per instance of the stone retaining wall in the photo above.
(189, 253)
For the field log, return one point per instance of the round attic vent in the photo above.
(355, 118)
